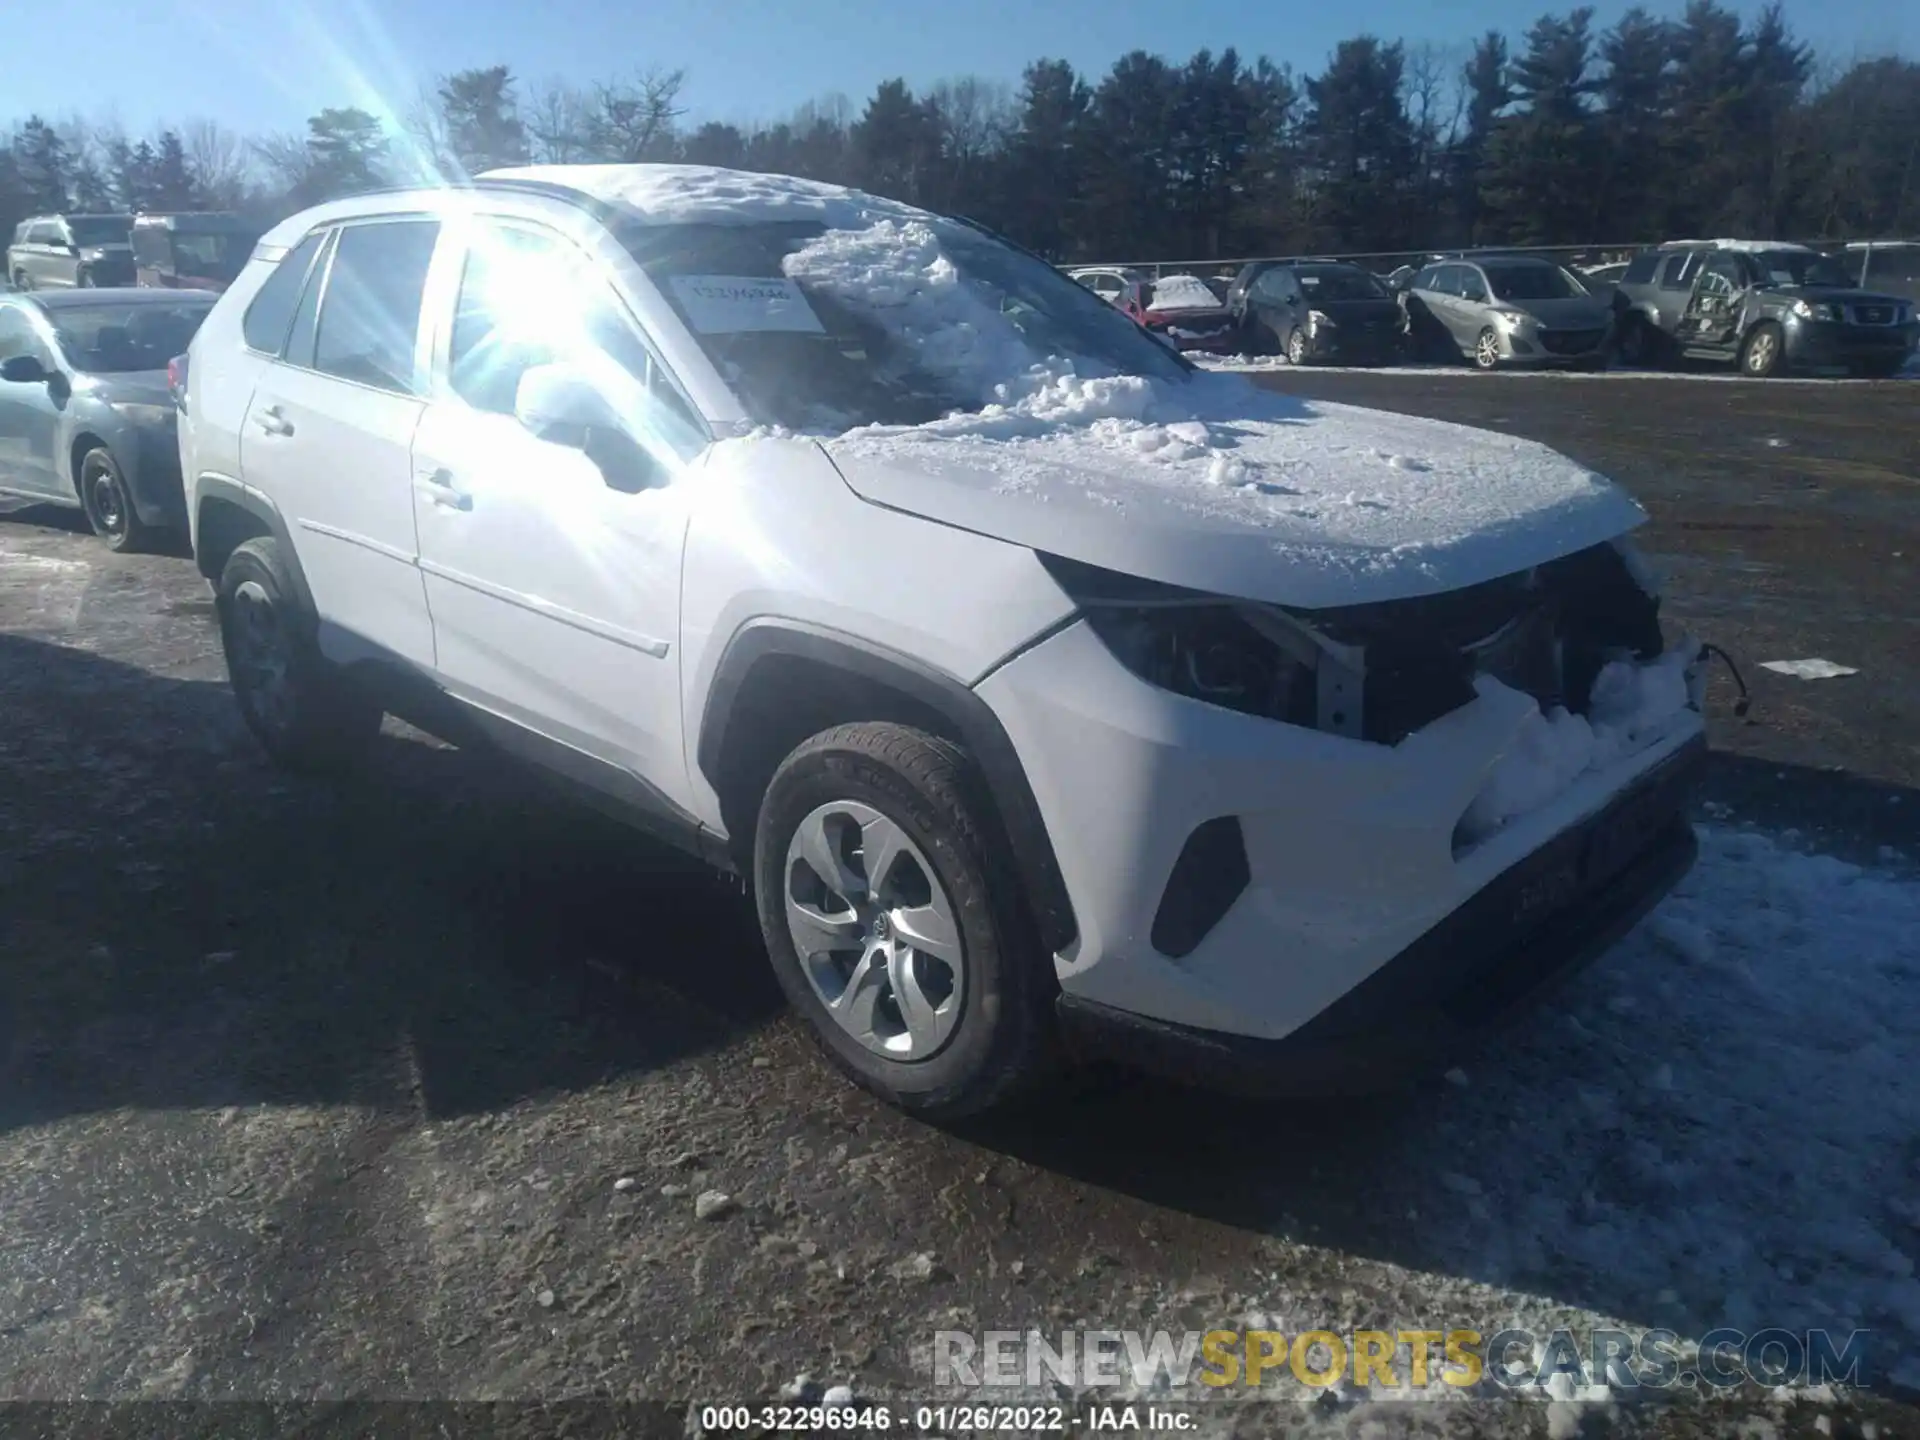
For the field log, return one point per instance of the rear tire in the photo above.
(109, 504)
(1764, 352)
(976, 1026)
(302, 710)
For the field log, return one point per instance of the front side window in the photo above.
(47, 233)
(265, 323)
(118, 339)
(896, 322)
(370, 314)
(1723, 276)
(529, 298)
(1472, 286)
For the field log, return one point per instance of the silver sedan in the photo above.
(1510, 311)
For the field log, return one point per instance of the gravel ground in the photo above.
(314, 1091)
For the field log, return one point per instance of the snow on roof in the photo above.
(1183, 292)
(705, 194)
(1748, 246)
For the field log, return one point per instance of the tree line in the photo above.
(1568, 134)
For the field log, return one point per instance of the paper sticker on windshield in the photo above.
(733, 304)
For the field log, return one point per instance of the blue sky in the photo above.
(266, 64)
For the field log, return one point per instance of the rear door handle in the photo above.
(273, 422)
(438, 486)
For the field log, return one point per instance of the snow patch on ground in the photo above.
(1633, 706)
(1738, 1147)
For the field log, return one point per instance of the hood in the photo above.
(1380, 308)
(1576, 313)
(1831, 295)
(1258, 496)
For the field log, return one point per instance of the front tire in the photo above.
(1764, 352)
(85, 281)
(299, 707)
(109, 504)
(894, 924)
(22, 280)
(1486, 350)
(1296, 346)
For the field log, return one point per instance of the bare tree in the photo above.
(220, 161)
(976, 116)
(633, 119)
(558, 120)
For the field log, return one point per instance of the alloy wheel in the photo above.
(1296, 348)
(260, 656)
(875, 931)
(1760, 352)
(1486, 350)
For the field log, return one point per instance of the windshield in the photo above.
(1802, 267)
(1532, 282)
(901, 322)
(118, 339)
(100, 229)
(1338, 282)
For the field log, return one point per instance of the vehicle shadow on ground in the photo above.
(184, 926)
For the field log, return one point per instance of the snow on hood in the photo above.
(1183, 292)
(1221, 487)
(707, 195)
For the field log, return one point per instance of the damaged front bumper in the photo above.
(1503, 952)
(1253, 831)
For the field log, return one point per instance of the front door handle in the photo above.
(273, 422)
(438, 486)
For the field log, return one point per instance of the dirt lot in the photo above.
(324, 1091)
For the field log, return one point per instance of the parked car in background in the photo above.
(582, 463)
(1767, 306)
(1600, 279)
(86, 419)
(1516, 310)
(51, 252)
(1187, 312)
(1319, 310)
(197, 250)
(1891, 267)
(1120, 287)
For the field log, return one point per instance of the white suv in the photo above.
(1046, 688)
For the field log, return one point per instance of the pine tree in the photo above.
(1044, 170)
(1541, 160)
(41, 158)
(481, 109)
(1357, 147)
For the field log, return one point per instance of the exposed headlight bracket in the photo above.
(1339, 671)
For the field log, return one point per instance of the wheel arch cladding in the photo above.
(780, 682)
(227, 517)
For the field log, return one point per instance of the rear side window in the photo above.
(1673, 274)
(1640, 269)
(299, 349)
(265, 323)
(370, 316)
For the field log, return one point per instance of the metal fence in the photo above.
(1386, 261)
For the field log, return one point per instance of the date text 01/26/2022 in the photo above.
(942, 1419)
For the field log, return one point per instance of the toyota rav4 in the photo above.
(1052, 695)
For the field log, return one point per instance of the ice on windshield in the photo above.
(917, 318)
(1183, 292)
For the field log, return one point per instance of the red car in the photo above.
(1184, 308)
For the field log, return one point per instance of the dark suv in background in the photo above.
(1766, 306)
(1313, 310)
(60, 251)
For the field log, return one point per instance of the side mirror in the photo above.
(23, 370)
(561, 404)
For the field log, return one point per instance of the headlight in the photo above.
(1320, 320)
(1208, 652)
(93, 252)
(145, 414)
(1511, 319)
(1808, 311)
